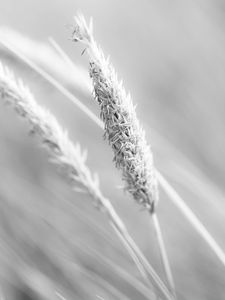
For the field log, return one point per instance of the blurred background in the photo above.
(171, 56)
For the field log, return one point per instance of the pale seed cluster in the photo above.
(122, 129)
(63, 152)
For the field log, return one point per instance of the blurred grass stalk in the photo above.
(44, 54)
(72, 161)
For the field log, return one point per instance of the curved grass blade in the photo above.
(191, 217)
(53, 82)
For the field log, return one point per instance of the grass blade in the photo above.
(191, 217)
(54, 83)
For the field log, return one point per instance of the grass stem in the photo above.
(191, 217)
(163, 254)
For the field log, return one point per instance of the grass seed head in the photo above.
(69, 157)
(122, 129)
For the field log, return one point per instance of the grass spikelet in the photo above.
(122, 129)
(68, 156)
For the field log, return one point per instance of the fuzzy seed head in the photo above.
(122, 129)
(69, 157)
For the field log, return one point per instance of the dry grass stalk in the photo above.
(122, 129)
(70, 158)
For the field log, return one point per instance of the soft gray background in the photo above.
(170, 55)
